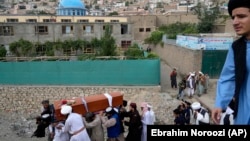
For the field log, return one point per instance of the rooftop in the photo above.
(71, 4)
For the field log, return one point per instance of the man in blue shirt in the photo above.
(234, 82)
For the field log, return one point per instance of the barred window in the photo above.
(42, 30)
(82, 21)
(99, 21)
(88, 28)
(6, 31)
(66, 20)
(68, 29)
(12, 20)
(125, 44)
(31, 20)
(114, 21)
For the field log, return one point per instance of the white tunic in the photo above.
(59, 135)
(202, 118)
(229, 112)
(152, 117)
(146, 120)
(74, 123)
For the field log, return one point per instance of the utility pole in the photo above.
(187, 5)
(37, 30)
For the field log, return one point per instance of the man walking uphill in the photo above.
(173, 76)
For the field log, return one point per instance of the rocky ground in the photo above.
(16, 128)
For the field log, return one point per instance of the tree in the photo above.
(108, 46)
(174, 29)
(49, 51)
(113, 13)
(3, 51)
(134, 52)
(207, 17)
(155, 37)
(126, 3)
(21, 47)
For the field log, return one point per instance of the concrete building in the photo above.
(44, 28)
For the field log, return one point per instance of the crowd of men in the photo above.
(191, 114)
(195, 114)
(92, 126)
(193, 83)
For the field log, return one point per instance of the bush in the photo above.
(155, 38)
(86, 57)
(153, 56)
(3, 51)
(174, 29)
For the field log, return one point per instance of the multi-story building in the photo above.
(42, 28)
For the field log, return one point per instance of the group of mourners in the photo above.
(193, 83)
(92, 126)
(195, 114)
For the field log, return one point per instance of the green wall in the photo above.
(97, 72)
(213, 62)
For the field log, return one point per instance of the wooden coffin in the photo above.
(94, 103)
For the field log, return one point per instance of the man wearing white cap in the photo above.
(112, 123)
(74, 125)
(152, 115)
(191, 84)
(200, 114)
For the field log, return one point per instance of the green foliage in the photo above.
(49, 51)
(76, 44)
(126, 3)
(95, 43)
(174, 29)
(14, 48)
(159, 5)
(152, 55)
(207, 17)
(86, 57)
(155, 37)
(113, 13)
(134, 52)
(162, 44)
(58, 45)
(3, 51)
(21, 47)
(108, 45)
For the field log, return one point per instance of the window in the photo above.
(125, 44)
(82, 21)
(99, 21)
(88, 50)
(42, 30)
(12, 20)
(110, 27)
(124, 29)
(66, 20)
(141, 29)
(114, 21)
(40, 49)
(6, 31)
(88, 28)
(49, 20)
(31, 20)
(148, 29)
(68, 29)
